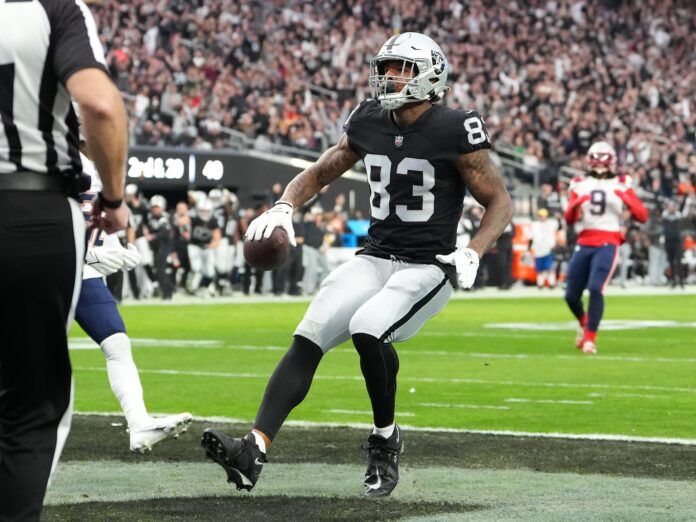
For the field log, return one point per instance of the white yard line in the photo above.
(365, 412)
(632, 395)
(445, 380)
(545, 401)
(464, 406)
(508, 433)
(502, 334)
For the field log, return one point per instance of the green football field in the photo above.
(504, 418)
(469, 368)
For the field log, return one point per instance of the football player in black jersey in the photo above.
(205, 238)
(420, 159)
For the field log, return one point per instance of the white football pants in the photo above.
(202, 260)
(390, 300)
(224, 257)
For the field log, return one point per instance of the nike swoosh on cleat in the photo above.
(379, 481)
(416, 48)
(245, 479)
(258, 462)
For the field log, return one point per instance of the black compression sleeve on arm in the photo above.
(288, 385)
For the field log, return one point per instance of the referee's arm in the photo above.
(105, 127)
(80, 65)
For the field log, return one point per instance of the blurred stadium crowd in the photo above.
(551, 77)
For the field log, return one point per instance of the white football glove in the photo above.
(105, 260)
(131, 257)
(280, 215)
(467, 262)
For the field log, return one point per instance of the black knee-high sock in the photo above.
(288, 385)
(379, 364)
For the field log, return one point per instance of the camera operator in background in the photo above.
(182, 235)
(672, 227)
(159, 234)
(142, 276)
(657, 258)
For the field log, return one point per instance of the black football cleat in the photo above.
(241, 459)
(382, 473)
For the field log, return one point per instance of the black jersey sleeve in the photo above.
(74, 38)
(352, 126)
(472, 132)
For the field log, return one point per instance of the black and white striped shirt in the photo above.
(42, 43)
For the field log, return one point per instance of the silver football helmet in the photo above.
(204, 208)
(158, 201)
(422, 58)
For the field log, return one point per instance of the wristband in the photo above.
(109, 203)
(281, 202)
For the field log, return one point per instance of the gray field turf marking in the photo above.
(365, 412)
(406, 378)
(365, 426)
(630, 395)
(466, 406)
(608, 325)
(85, 343)
(520, 493)
(546, 401)
(487, 293)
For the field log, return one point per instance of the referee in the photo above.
(49, 52)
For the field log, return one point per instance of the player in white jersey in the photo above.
(98, 315)
(595, 207)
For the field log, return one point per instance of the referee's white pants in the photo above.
(390, 300)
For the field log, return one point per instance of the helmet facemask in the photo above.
(395, 90)
(421, 78)
(601, 164)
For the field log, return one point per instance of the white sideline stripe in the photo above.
(365, 412)
(630, 395)
(467, 406)
(226, 375)
(546, 401)
(364, 425)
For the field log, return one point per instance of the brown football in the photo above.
(268, 254)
